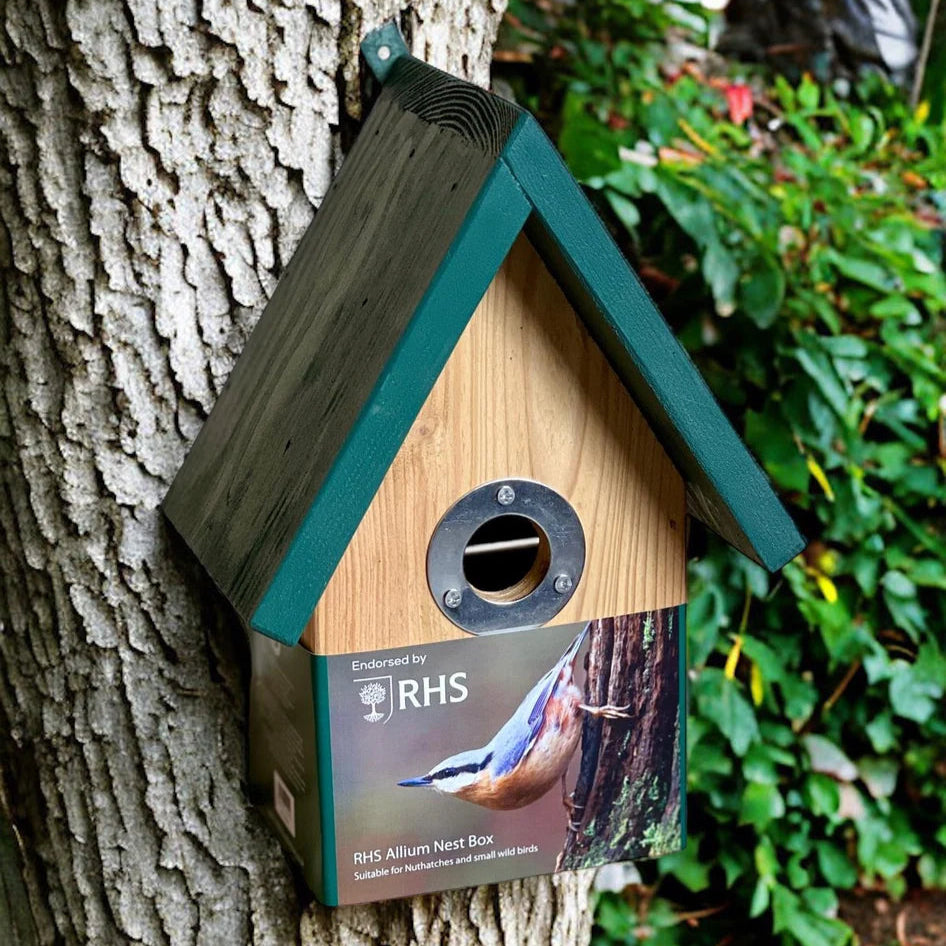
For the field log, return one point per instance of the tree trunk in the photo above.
(160, 160)
(627, 796)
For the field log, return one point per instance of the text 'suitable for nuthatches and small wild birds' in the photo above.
(447, 490)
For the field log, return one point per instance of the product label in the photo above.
(505, 755)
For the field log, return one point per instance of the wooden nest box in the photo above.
(460, 414)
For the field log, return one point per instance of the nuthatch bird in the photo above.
(530, 753)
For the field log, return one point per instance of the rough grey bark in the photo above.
(159, 160)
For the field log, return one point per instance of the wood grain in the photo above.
(434, 96)
(325, 336)
(526, 393)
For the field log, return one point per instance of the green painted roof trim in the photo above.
(650, 360)
(326, 781)
(461, 280)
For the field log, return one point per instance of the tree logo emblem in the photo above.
(376, 694)
(371, 695)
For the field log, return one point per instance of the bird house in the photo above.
(446, 491)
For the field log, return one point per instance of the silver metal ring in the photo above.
(478, 612)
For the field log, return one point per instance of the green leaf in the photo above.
(766, 860)
(891, 858)
(835, 865)
(588, 146)
(761, 292)
(821, 900)
(882, 733)
(759, 765)
(720, 700)
(824, 797)
(760, 899)
(861, 270)
(930, 573)
(733, 863)
(772, 442)
(879, 775)
(932, 870)
(910, 696)
(845, 346)
(826, 757)
(809, 93)
(626, 210)
(615, 918)
(798, 875)
(899, 585)
(897, 307)
(791, 915)
(817, 365)
(721, 272)
(862, 131)
(687, 867)
(761, 804)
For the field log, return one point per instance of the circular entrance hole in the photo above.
(506, 558)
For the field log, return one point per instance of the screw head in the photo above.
(563, 584)
(505, 495)
(452, 598)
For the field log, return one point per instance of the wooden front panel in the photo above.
(526, 393)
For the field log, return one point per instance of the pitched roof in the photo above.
(440, 182)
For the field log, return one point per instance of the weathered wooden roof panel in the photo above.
(323, 341)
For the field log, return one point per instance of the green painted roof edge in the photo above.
(326, 779)
(473, 259)
(664, 366)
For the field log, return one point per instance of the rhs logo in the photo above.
(375, 692)
(378, 694)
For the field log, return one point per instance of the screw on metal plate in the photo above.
(452, 598)
(563, 584)
(505, 495)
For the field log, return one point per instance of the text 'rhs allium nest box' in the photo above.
(460, 415)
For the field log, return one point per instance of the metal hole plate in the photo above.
(531, 500)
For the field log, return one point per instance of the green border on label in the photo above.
(684, 707)
(323, 764)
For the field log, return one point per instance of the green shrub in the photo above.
(799, 256)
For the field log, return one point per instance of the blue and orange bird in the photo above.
(531, 752)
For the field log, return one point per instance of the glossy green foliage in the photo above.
(799, 255)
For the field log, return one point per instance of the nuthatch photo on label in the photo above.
(532, 750)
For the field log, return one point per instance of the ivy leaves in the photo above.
(798, 253)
